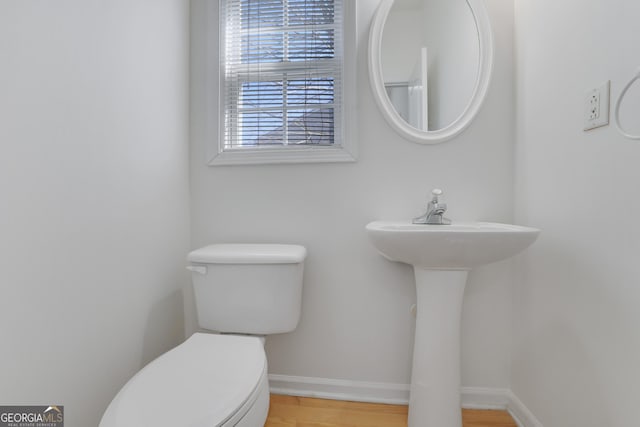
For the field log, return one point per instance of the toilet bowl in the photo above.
(215, 379)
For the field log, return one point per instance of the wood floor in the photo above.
(292, 411)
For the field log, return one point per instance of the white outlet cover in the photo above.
(597, 100)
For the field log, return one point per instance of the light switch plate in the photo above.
(596, 107)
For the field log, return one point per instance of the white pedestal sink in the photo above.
(441, 256)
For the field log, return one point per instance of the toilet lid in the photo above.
(239, 253)
(202, 382)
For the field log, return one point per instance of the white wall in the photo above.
(94, 195)
(355, 322)
(576, 343)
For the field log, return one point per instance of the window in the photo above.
(286, 81)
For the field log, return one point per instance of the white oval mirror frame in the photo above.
(479, 93)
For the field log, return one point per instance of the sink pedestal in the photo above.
(435, 378)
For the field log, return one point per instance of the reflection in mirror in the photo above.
(430, 55)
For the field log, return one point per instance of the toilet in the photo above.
(219, 378)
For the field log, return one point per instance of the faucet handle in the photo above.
(436, 192)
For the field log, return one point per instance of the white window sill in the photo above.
(275, 155)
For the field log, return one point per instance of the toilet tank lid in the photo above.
(242, 253)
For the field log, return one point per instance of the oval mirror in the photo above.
(430, 64)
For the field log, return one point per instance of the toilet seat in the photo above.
(209, 380)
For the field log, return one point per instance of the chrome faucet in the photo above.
(434, 213)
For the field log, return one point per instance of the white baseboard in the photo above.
(520, 413)
(484, 398)
(398, 394)
(356, 391)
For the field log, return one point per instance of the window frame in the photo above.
(344, 148)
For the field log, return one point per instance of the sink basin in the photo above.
(458, 246)
(442, 256)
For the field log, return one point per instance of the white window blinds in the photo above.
(282, 72)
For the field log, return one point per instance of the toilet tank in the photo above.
(248, 288)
